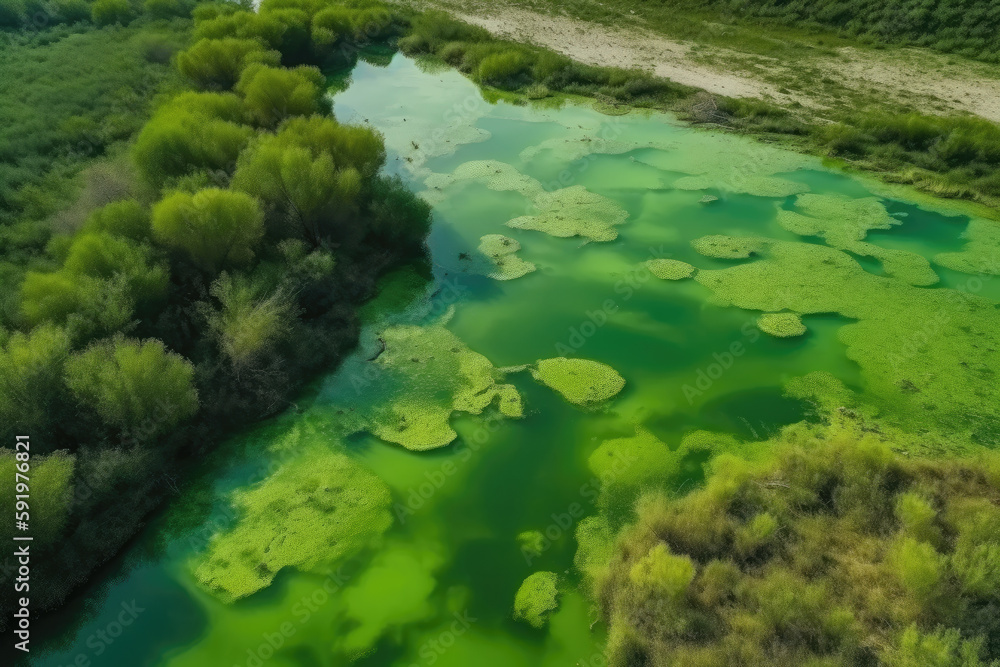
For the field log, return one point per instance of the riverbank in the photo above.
(908, 115)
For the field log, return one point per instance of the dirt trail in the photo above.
(924, 80)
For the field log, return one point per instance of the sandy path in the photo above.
(925, 80)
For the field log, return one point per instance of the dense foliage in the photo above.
(968, 27)
(225, 270)
(531, 71)
(832, 550)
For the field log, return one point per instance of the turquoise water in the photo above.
(438, 588)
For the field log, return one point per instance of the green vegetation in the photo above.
(670, 269)
(312, 511)
(781, 325)
(580, 381)
(830, 550)
(214, 260)
(537, 597)
(501, 251)
(968, 27)
(512, 66)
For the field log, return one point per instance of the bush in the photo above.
(216, 64)
(107, 12)
(273, 94)
(138, 388)
(215, 228)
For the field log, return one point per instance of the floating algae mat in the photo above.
(614, 299)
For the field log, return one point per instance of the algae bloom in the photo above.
(501, 251)
(781, 325)
(537, 597)
(670, 269)
(580, 381)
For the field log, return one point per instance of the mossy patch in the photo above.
(926, 354)
(781, 325)
(574, 211)
(564, 213)
(501, 251)
(313, 511)
(429, 374)
(981, 253)
(531, 542)
(580, 381)
(844, 222)
(670, 269)
(729, 247)
(537, 598)
(632, 461)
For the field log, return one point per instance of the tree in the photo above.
(310, 176)
(216, 228)
(106, 12)
(274, 93)
(251, 318)
(176, 142)
(106, 256)
(217, 63)
(135, 386)
(31, 368)
(127, 218)
(51, 493)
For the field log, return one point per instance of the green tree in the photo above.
(175, 143)
(250, 320)
(51, 484)
(273, 94)
(217, 63)
(127, 218)
(310, 175)
(106, 12)
(135, 386)
(216, 228)
(31, 366)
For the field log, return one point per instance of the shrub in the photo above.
(106, 12)
(215, 228)
(136, 387)
(216, 64)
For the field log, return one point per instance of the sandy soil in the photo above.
(924, 80)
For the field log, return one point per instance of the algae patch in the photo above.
(501, 251)
(580, 381)
(564, 213)
(670, 269)
(729, 247)
(537, 598)
(927, 354)
(429, 374)
(312, 512)
(781, 325)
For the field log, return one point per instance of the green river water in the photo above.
(438, 586)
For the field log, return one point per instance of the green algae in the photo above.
(720, 246)
(501, 251)
(531, 542)
(843, 223)
(840, 220)
(393, 591)
(927, 355)
(564, 213)
(633, 461)
(670, 269)
(580, 381)
(574, 211)
(981, 254)
(311, 513)
(537, 598)
(781, 325)
(430, 374)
